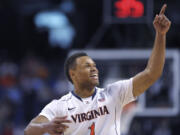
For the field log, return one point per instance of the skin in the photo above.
(40, 125)
(82, 76)
(154, 69)
(84, 83)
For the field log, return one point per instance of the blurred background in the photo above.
(36, 36)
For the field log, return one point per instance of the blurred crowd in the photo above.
(25, 88)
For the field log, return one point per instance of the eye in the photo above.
(90, 65)
(87, 65)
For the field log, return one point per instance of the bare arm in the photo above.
(36, 127)
(154, 69)
(40, 125)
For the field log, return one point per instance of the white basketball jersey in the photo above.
(96, 115)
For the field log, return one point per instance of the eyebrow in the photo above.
(87, 63)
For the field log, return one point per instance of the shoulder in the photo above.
(55, 103)
(118, 86)
(121, 83)
(66, 97)
(61, 100)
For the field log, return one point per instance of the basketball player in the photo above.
(89, 110)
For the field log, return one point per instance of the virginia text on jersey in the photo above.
(90, 114)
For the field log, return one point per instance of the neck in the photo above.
(84, 92)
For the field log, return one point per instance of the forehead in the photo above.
(84, 60)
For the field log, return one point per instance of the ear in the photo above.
(71, 73)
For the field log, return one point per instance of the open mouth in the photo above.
(94, 76)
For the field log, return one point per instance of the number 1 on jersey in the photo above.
(92, 128)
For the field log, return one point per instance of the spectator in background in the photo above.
(10, 94)
(33, 81)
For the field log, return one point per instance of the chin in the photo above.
(96, 83)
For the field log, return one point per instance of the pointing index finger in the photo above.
(163, 9)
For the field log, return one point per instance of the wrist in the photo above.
(44, 128)
(160, 33)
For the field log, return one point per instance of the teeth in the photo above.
(94, 75)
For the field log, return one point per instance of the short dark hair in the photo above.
(70, 63)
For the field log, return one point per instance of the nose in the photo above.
(94, 69)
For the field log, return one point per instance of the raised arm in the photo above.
(154, 69)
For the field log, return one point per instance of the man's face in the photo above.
(85, 72)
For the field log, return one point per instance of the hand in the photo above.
(56, 126)
(161, 22)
